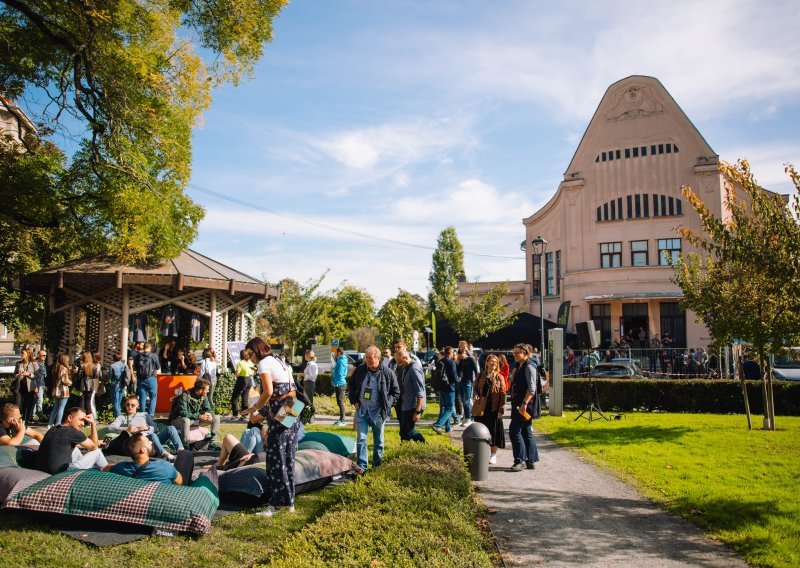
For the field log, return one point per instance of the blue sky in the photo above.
(396, 119)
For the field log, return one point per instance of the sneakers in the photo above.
(168, 456)
(493, 458)
(436, 429)
(530, 465)
(272, 511)
(517, 467)
(339, 423)
(466, 422)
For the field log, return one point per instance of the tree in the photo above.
(348, 308)
(481, 313)
(400, 316)
(294, 314)
(362, 337)
(447, 270)
(125, 82)
(751, 287)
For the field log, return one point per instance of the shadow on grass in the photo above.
(581, 435)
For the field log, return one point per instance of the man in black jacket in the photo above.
(373, 390)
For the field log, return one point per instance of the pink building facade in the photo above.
(615, 213)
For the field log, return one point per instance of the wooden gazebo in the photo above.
(109, 292)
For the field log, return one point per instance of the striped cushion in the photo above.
(112, 497)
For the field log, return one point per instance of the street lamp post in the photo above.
(539, 247)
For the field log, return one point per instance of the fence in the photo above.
(672, 363)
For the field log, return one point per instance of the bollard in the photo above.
(477, 441)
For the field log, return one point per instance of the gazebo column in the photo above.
(225, 339)
(124, 336)
(212, 320)
(101, 332)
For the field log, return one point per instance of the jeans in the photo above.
(148, 387)
(408, 430)
(252, 440)
(116, 392)
(340, 401)
(465, 388)
(170, 435)
(446, 400)
(363, 424)
(92, 459)
(57, 413)
(87, 402)
(458, 403)
(522, 443)
(39, 402)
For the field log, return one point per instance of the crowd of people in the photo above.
(385, 382)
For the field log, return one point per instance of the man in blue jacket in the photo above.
(339, 381)
(447, 396)
(373, 390)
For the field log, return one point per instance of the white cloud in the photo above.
(767, 162)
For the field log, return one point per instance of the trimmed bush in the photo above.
(683, 395)
(414, 510)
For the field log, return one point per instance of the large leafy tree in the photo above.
(293, 316)
(748, 286)
(122, 82)
(481, 313)
(447, 270)
(400, 316)
(347, 309)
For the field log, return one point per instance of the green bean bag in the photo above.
(336, 443)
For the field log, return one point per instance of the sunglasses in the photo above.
(130, 405)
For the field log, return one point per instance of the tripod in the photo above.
(592, 407)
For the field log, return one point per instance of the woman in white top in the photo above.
(278, 391)
(310, 375)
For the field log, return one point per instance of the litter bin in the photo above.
(477, 441)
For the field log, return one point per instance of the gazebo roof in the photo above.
(190, 269)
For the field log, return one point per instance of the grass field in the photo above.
(742, 486)
(418, 508)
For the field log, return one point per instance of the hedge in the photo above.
(682, 395)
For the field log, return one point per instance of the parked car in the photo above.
(617, 370)
(8, 365)
(787, 368)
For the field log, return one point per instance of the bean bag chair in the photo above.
(336, 443)
(313, 469)
(8, 456)
(14, 479)
(312, 445)
(111, 497)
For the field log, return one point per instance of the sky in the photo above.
(397, 119)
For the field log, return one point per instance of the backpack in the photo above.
(439, 381)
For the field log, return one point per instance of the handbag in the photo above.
(101, 388)
(479, 407)
(289, 413)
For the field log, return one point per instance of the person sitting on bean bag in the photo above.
(131, 421)
(193, 416)
(140, 448)
(13, 429)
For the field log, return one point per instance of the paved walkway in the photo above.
(568, 512)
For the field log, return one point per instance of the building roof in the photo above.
(189, 269)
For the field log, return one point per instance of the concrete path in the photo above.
(568, 512)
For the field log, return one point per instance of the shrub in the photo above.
(683, 395)
(416, 509)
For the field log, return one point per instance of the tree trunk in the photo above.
(770, 398)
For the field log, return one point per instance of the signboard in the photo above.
(415, 335)
(234, 348)
(562, 320)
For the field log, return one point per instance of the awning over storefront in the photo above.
(635, 296)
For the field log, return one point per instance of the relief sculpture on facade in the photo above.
(634, 102)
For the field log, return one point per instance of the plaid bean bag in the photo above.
(112, 497)
(336, 443)
(15, 479)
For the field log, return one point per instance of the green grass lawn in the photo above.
(324, 404)
(742, 486)
(418, 508)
